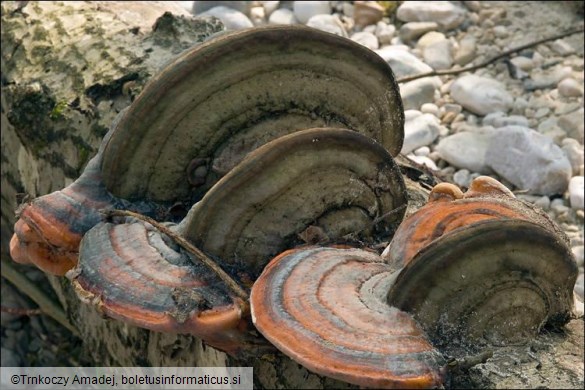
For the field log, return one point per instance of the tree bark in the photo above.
(68, 68)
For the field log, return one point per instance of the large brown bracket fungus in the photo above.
(326, 308)
(333, 179)
(215, 103)
(481, 267)
(338, 180)
(202, 114)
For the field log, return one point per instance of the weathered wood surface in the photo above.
(68, 68)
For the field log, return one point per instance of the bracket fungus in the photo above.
(326, 308)
(224, 98)
(335, 179)
(481, 267)
(257, 210)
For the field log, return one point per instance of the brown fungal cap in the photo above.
(449, 209)
(225, 97)
(335, 179)
(484, 267)
(50, 227)
(132, 274)
(326, 309)
(496, 282)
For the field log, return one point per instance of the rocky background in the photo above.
(68, 69)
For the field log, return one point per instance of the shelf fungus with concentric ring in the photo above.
(329, 179)
(481, 267)
(326, 308)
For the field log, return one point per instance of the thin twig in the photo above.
(20, 311)
(492, 60)
(466, 362)
(27, 287)
(208, 261)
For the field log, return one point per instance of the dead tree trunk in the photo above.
(67, 69)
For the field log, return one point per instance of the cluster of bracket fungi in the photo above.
(281, 141)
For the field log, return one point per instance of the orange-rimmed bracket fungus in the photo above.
(326, 309)
(335, 180)
(481, 267)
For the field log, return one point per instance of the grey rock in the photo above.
(402, 62)
(420, 131)
(462, 178)
(466, 150)
(466, 52)
(570, 87)
(240, 6)
(561, 47)
(411, 31)
(282, 16)
(305, 10)
(572, 123)
(574, 152)
(367, 39)
(438, 54)
(543, 202)
(423, 160)
(445, 13)
(481, 95)
(418, 92)
(512, 120)
(529, 160)
(328, 23)
(576, 189)
(231, 18)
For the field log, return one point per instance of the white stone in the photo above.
(466, 52)
(500, 31)
(415, 93)
(438, 54)
(524, 63)
(328, 23)
(461, 178)
(561, 47)
(201, 6)
(423, 160)
(270, 7)
(574, 152)
(305, 10)
(481, 95)
(411, 114)
(258, 16)
(576, 192)
(573, 124)
(187, 5)
(384, 32)
(420, 131)
(430, 38)
(413, 30)
(422, 151)
(445, 13)
(282, 16)
(430, 108)
(579, 285)
(512, 120)
(570, 87)
(529, 160)
(231, 19)
(578, 253)
(367, 39)
(402, 62)
(466, 150)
